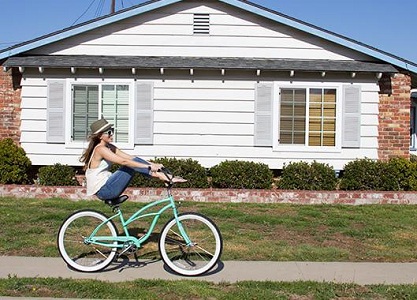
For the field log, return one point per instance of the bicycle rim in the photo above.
(71, 241)
(198, 258)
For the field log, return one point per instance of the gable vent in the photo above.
(201, 24)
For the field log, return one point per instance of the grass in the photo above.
(274, 232)
(184, 289)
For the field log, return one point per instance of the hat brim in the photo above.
(104, 128)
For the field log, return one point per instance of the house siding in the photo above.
(206, 117)
(169, 32)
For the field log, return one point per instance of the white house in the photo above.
(209, 80)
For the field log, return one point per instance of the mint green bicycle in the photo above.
(190, 244)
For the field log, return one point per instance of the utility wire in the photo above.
(99, 9)
(92, 2)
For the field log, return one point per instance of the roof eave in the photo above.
(69, 32)
(327, 35)
(242, 4)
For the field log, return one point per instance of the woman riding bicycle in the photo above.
(99, 157)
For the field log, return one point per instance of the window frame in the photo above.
(413, 125)
(277, 147)
(69, 143)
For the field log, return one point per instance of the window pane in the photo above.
(315, 125)
(329, 110)
(286, 138)
(315, 95)
(299, 138)
(322, 114)
(314, 139)
(286, 109)
(300, 96)
(293, 116)
(329, 139)
(115, 108)
(330, 95)
(299, 124)
(286, 125)
(300, 109)
(85, 110)
(329, 125)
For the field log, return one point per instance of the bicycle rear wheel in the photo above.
(197, 258)
(74, 248)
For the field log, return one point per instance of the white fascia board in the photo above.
(322, 33)
(84, 28)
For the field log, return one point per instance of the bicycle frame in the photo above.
(121, 241)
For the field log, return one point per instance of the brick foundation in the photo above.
(394, 116)
(10, 104)
(221, 195)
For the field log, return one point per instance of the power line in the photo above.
(92, 2)
(99, 9)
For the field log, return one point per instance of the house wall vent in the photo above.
(201, 24)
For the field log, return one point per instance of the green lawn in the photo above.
(275, 232)
(196, 290)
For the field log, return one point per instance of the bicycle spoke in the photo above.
(204, 250)
(72, 237)
(200, 255)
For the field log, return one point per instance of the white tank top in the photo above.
(97, 177)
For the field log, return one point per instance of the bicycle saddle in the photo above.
(116, 201)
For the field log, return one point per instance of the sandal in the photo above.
(177, 179)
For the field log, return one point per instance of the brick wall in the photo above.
(394, 116)
(10, 104)
(221, 195)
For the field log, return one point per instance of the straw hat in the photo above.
(100, 126)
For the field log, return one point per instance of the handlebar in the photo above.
(167, 172)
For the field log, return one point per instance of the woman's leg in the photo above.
(119, 180)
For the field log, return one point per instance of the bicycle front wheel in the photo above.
(198, 257)
(74, 247)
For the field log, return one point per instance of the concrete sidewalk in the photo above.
(228, 271)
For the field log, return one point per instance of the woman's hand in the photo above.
(156, 167)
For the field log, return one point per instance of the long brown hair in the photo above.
(86, 156)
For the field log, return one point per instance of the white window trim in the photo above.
(276, 147)
(413, 136)
(95, 81)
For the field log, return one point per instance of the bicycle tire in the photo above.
(75, 252)
(202, 255)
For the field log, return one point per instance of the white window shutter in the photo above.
(55, 123)
(264, 95)
(144, 113)
(351, 116)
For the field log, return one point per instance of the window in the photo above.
(90, 102)
(293, 116)
(307, 117)
(413, 126)
(322, 117)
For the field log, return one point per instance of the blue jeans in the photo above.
(120, 179)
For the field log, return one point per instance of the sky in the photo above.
(389, 25)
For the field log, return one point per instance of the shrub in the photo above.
(14, 164)
(303, 176)
(189, 169)
(241, 175)
(399, 174)
(57, 174)
(362, 174)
